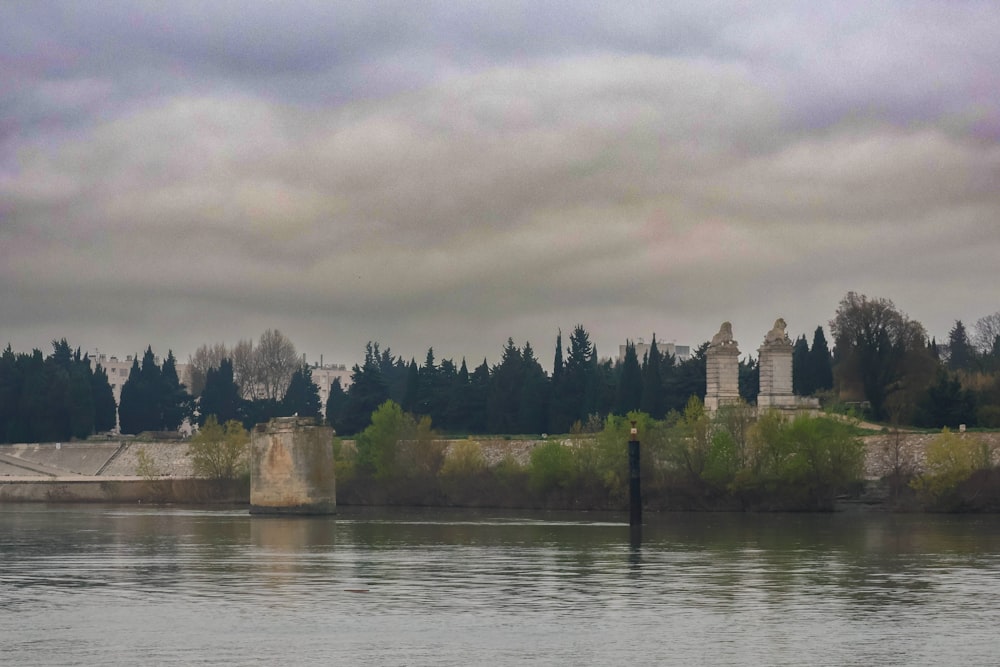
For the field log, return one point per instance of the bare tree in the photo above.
(276, 362)
(205, 358)
(986, 331)
(245, 372)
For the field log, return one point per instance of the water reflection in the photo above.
(719, 588)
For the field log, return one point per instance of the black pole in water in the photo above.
(634, 490)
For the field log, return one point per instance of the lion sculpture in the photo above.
(777, 334)
(724, 337)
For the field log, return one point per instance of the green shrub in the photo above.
(220, 452)
(951, 459)
(465, 459)
(552, 467)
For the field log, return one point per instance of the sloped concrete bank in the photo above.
(108, 472)
(86, 489)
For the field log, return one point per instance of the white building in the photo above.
(681, 352)
(323, 376)
(118, 369)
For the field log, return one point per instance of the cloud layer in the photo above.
(186, 173)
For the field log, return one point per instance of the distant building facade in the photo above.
(680, 352)
(118, 368)
(323, 376)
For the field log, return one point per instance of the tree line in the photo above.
(516, 395)
(53, 398)
(882, 363)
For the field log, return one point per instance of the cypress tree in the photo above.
(479, 383)
(749, 379)
(367, 392)
(220, 395)
(10, 391)
(336, 401)
(802, 384)
(105, 409)
(531, 412)
(579, 377)
(412, 394)
(820, 362)
(652, 382)
(630, 382)
(129, 407)
(302, 396)
(81, 396)
(174, 401)
(960, 350)
(504, 396)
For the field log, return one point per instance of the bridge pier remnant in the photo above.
(722, 370)
(291, 467)
(775, 364)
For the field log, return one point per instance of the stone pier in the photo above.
(722, 366)
(775, 362)
(291, 468)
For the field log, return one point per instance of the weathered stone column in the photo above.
(775, 363)
(722, 369)
(291, 468)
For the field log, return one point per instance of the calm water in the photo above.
(106, 585)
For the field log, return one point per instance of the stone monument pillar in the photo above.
(291, 468)
(722, 369)
(775, 363)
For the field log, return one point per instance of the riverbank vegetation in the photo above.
(691, 461)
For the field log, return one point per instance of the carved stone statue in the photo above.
(724, 337)
(777, 335)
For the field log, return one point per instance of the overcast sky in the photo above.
(450, 174)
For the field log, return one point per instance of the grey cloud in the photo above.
(537, 171)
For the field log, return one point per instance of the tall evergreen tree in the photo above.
(427, 387)
(479, 385)
(412, 394)
(458, 415)
(504, 397)
(579, 377)
(150, 392)
(336, 401)
(652, 382)
(394, 372)
(302, 396)
(531, 411)
(220, 395)
(130, 408)
(559, 418)
(961, 354)
(820, 362)
(946, 403)
(687, 380)
(629, 382)
(105, 409)
(749, 379)
(802, 384)
(81, 396)
(174, 401)
(444, 390)
(368, 390)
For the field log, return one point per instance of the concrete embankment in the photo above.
(109, 471)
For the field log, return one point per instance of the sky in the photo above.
(451, 174)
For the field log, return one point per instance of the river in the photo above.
(127, 585)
